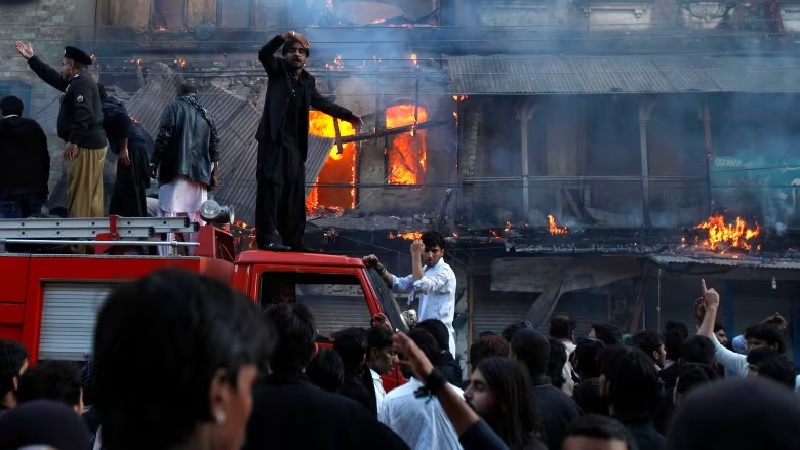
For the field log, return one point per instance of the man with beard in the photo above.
(283, 143)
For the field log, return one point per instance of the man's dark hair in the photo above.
(692, 375)
(562, 326)
(607, 333)
(533, 350)
(675, 333)
(633, 383)
(698, 349)
(101, 88)
(13, 355)
(648, 341)
(186, 88)
(351, 345)
(290, 43)
(558, 358)
(188, 329)
(296, 333)
(379, 338)
(439, 331)
(51, 380)
(433, 239)
(326, 370)
(426, 342)
(11, 105)
(718, 326)
(778, 368)
(759, 355)
(512, 329)
(768, 333)
(600, 427)
(488, 347)
(588, 352)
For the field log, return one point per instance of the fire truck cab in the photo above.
(50, 301)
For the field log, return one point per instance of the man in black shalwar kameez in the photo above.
(283, 143)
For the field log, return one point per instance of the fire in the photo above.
(337, 64)
(240, 224)
(554, 229)
(338, 168)
(727, 236)
(414, 58)
(460, 98)
(407, 157)
(508, 225)
(378, 21)
(410, 236)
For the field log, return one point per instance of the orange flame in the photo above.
(240, 224)
(460, 98)
(409, 151)
(729, 236)
(414, 58)
(338, 168)
(337, 64)
(508, 225)
(410, 236)
(554, 229)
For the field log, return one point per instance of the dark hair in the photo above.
(692, 375)
(13, 355)
(51, 380)
(486, 333)
(633, 383)
(512, 329)
(558, 358)
(759, 355)
(698, 349)
(101, 88)
(648, 341)
(513, 417)
(607, 333)
(718, 326)
(351, 345)
(769, 333)
(600, 427)
(185, 327)
(532, 349)
(433, 239)
(778, 368)
(562, 326)
(379, 338)
(295, 330)
(439, 331)
(11, 105)
(290, 43)
(588, 352)
(326, 370)
(426, 342)
(185, 87)
(487, 347)
(675, 333)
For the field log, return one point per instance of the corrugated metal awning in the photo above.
(511, 74)
(744, 262)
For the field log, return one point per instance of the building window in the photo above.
(235, 13)
(168, 13)
(176, 14)
(408, 152)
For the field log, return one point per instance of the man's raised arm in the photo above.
(41, 69)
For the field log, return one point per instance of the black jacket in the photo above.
(119, 125)
(290, 413)
(448, 366)
(184, 145)
(353, 388)
(278, 91)
(555, 408)
(25, 166)
(80, 118)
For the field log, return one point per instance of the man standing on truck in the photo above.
(80, 124)
(436, 282)
(283, 143)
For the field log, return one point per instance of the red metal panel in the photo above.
(13, 271)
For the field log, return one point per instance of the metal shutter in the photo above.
(497, 310)
(334, 313)
(69, 313)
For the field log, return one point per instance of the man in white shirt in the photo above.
(416, 417)
(381, 358)
(435, 282)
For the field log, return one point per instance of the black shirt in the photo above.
(291, 123)
(119, 125)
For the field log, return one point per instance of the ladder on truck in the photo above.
(100, 232)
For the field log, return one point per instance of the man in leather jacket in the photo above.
(185, 158)
(283, 143)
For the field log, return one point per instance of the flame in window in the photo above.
(408, 151)
(554, 229)
(722, 236)
(339, 168)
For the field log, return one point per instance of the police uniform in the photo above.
(80, 122)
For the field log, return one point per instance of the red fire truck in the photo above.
(50, 301)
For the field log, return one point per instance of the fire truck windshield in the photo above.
(388, 301)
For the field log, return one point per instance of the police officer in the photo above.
(80, 124)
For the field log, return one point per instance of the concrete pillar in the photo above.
(645, 112)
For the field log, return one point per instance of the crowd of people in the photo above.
(181, 361)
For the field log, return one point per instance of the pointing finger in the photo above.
(705, 289)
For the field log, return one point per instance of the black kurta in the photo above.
(128, 199)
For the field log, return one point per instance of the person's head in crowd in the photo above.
(532, 349)
(738, 413)
(206, 342)
(295, 332)
(426, 343)
(756, 357)
(511, 330)
(11, 106)
(719, 332)
(499, 391)
(439, 331)
(25, 426)
(13, 364)
(326, 370)
(597, 432)
(486, 333)
(52, 380)
(587, 357)
(690, 377)
(607, 333)
(697, 349)
(434, 248)
(351, 345)
(562, 327)
(629, 381)
(675, 333)
(651, 343)
(558, 357)
(381, 355)
(765, 335)
(487, 347)
(779, 369)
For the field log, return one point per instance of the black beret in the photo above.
(11, 103)
(77, 55)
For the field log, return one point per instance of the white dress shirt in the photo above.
(438, 299)
(380, 391)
